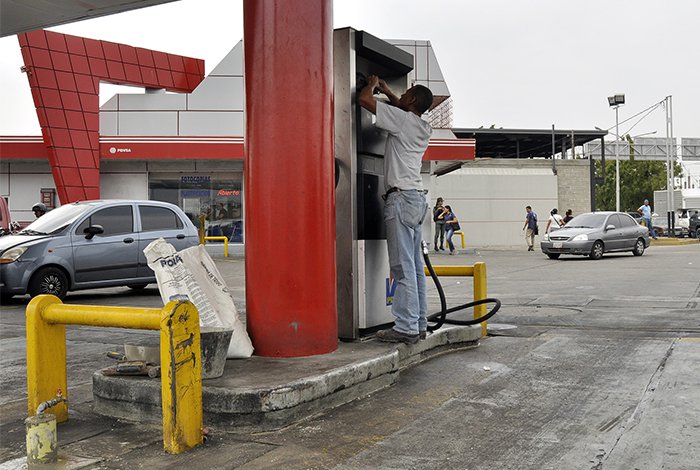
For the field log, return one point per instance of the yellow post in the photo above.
(46, 358)
(480, 293)
(220, 238)
(181, 377)
(201, 229)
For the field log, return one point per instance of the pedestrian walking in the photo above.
(405, 206)
(531, 228)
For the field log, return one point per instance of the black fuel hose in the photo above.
(440, 318)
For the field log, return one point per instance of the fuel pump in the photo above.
(365, 288)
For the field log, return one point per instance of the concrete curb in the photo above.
(674, 241)
(263, 394)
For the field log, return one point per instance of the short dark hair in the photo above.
(424, 98)
(528, 207)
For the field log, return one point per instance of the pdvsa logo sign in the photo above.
(114, 150)
(390, 290)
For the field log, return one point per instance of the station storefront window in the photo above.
(217, 196)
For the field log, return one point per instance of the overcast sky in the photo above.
(509, 63)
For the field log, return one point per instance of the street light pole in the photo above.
(615, 101)
(617, 159)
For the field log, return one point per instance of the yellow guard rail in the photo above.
(478, 272)
(221, 239)
(180, 359)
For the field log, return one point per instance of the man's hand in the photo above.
(374, 82)
(366, 97)
(384, 88)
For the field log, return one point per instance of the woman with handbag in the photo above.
(451, 226)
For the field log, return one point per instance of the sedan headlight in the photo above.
(546, 237)
(11, 255)
(580, 238)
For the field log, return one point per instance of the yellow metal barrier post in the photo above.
(181, 371)
(46, 358)
(478, 272)
(220, 238)
(180, 353)
(480, 293)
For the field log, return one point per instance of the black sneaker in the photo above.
(392, 336)
(423, 334)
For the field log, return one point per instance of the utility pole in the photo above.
(670, 160)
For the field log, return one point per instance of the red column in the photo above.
(290, 200)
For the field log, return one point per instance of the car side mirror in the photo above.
(609, 227)
(93, 230)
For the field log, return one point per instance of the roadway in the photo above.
(589, 365)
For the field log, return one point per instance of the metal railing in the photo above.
(180, 359)
(219, 238)
(478, 272)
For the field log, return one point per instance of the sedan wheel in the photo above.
(49, 281)
(597, 250)
(638, 247)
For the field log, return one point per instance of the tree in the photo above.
(638, 181)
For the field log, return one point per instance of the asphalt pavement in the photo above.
(589, 365)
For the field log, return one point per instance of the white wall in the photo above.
(490, 202)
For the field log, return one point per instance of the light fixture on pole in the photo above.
(615, 101)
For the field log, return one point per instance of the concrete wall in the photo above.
(489, 196)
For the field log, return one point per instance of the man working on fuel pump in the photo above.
(406, 205)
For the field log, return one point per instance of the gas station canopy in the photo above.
(525, 143)
(18, 16)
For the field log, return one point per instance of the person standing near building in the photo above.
(39, 209)
(405, 206)
(451, 226)
(555, 221)
(645, 211)
(569, 215)
(439, 225)
(530, 228)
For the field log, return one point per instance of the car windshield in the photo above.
(55, 220)
(587, 221)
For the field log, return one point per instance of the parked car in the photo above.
(694, 225)
(90, 244)
(683, 217)
(636, 216)
(660, 223)
(594, 233)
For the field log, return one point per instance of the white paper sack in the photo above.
(192, 272)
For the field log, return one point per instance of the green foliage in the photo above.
(638, 181)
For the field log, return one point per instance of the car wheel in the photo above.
(137, 286)
(597, 250)
(638, 247)
(49, 281)
(553, 255)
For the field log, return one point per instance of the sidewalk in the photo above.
(263, 394)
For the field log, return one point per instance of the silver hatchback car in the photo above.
(594, 233)
(90, 244)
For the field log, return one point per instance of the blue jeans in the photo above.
(403, 215)
(650, 226)
(450, 231)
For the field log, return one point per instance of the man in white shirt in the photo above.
(406, 206)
